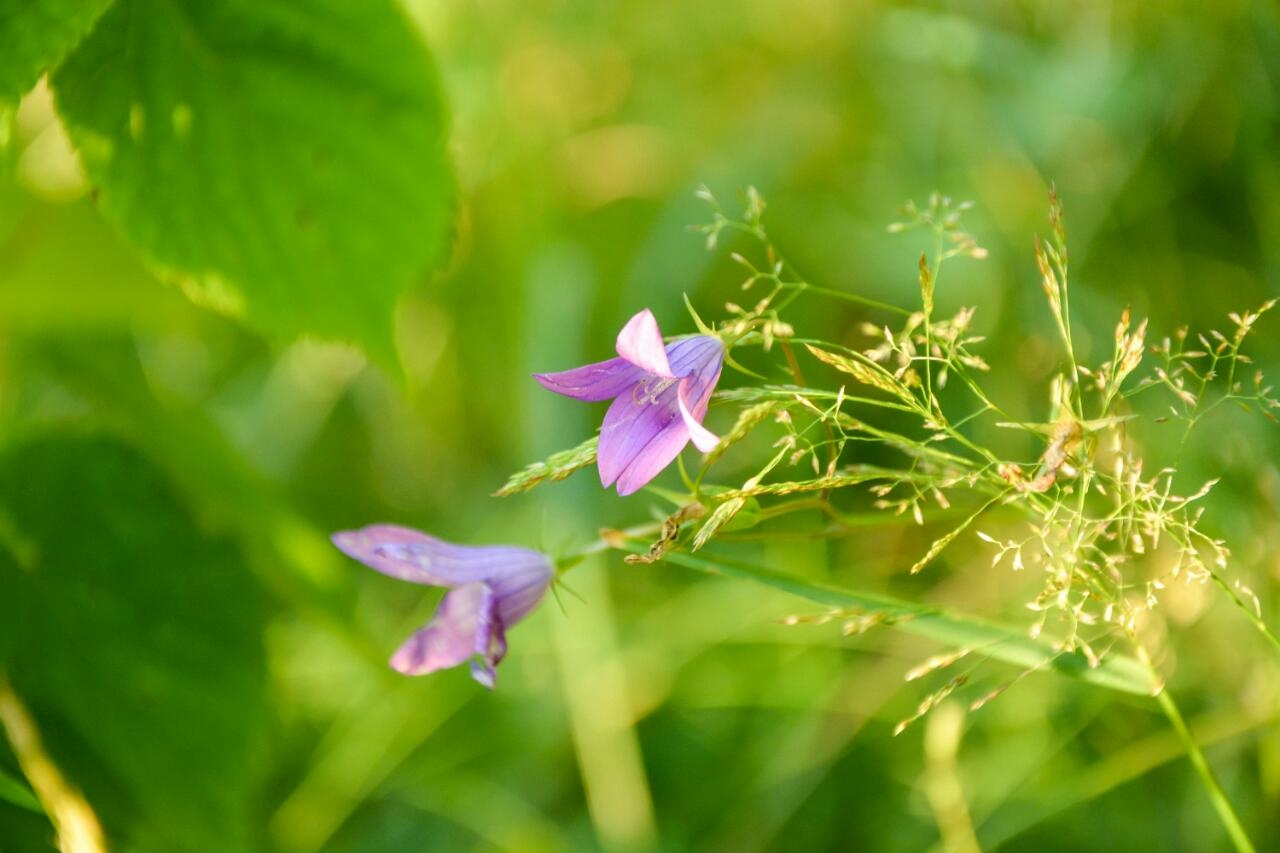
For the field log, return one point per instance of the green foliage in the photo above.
(15, 792)
(656, 705)
(1097, 523)
(1100, 578)
(280, 161)
(975, 637)
(148, 697)
(35, 35)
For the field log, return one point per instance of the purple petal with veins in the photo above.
(491, 588)
(660, 396)
(592, 383)
(464, 625)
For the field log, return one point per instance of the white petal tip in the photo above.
(703, 438)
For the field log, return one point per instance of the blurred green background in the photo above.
(211, 673)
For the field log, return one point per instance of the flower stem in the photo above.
(847, 297)
(609, 540)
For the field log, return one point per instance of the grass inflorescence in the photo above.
(1107, 528)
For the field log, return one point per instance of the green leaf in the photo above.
(36, 34)
(17, 793)
(140, 644)
(284, 162)
(1000, 642)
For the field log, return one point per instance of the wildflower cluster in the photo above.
(1107, 531)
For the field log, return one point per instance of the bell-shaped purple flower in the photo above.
(491, 588)
(660, 396)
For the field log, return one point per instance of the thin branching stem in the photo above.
(1248, 611)
(1221, 804)
(844, 296)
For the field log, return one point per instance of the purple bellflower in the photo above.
(660, 396)
(491, 588)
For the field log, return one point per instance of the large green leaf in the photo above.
(988, 639)
(282, 161)
(36, 34)
(139, 643)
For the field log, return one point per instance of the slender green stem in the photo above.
(928, 317)
(608, 541)
(1226, 813)
(1248, 611)
(847, 297)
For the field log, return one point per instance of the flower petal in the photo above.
(704, 356)
(591, 383)
(641, 435)
(644, 431)
(519, 592)
(465, 624)
(654, 457)
(699, 356)
(640, 342)
(484, 667)
(632, 422)
(410, 555)
(703, 438)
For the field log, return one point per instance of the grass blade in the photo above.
(16, 793)
(1011, 645)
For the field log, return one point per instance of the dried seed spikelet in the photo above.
(1122, 327)
(1048, 279)
(748, 419)
(926, 284)
(1057, 221)
(852, 475)
(935, 663)
(1128, 352)
(557, 466)
(1244, 322)
(670, 532)
(811, 618)
(940, 544)
(866, 372)
(930, 702)
(721, 516)
(860, 623)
